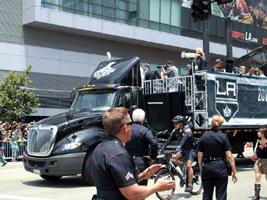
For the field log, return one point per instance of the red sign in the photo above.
(239, 35)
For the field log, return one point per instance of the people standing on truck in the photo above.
(189, 69)
(250, 71)
(142, 146)
(213, 147)
(242, 69)
(171, 71)
(186, 148)
(149, 76)
(256, 71)
(199, 60)
(260, 165)
(218, 66)
(115, 175)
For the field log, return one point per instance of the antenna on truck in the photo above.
(109, 56)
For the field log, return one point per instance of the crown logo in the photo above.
(227, 111)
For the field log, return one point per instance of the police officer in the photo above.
(115, 175)
(143, 146)
(212, 149)
(186, 147)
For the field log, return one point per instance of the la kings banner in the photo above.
(241, 100)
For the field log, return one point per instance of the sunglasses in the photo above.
(129, 123)
(176, 123)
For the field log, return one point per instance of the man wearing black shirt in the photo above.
(143, 146)
(149, 75)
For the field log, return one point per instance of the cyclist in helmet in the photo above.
(186, 147)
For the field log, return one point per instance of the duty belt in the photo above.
(208, 159)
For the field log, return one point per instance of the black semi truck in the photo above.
(62, 145)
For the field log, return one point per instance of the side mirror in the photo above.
(73, 95)
(69, 115)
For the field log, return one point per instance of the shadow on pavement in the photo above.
(65, 182)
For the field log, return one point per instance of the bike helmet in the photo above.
(179, 118)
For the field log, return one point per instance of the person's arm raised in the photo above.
(135, 192)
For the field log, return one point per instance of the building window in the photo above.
(123, 11)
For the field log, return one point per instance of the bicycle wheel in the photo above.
(164, 195)
(197, 185)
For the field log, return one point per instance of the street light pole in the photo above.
(229, 40)
(206, 42)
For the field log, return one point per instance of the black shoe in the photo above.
(188, 188)
(4, 164)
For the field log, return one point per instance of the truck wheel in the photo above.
(51, 178)
(87, 172)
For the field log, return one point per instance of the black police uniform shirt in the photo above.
(184, 137)
(113, 168)
(142, 142)
(214, 144)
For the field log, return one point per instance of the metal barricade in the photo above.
(7, 150)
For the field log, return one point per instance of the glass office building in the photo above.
(170, 16)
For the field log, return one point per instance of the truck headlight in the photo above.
(67, 147)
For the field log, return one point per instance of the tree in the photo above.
(16, 98)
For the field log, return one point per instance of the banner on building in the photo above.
(244, 11)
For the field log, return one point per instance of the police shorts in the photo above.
(260, 166)
(189, 154)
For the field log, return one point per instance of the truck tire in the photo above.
(51, 178)
(87, 172)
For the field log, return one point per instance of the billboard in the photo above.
(252, 12)
(247, 11)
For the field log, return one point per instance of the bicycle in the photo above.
(169, 170)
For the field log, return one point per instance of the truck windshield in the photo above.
(94, 100)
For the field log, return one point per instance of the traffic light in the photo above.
(223, 1)
(201, 10)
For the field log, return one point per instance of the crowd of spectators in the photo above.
(14, 135)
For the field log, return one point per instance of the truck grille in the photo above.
(37, 163)
(41, 140)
